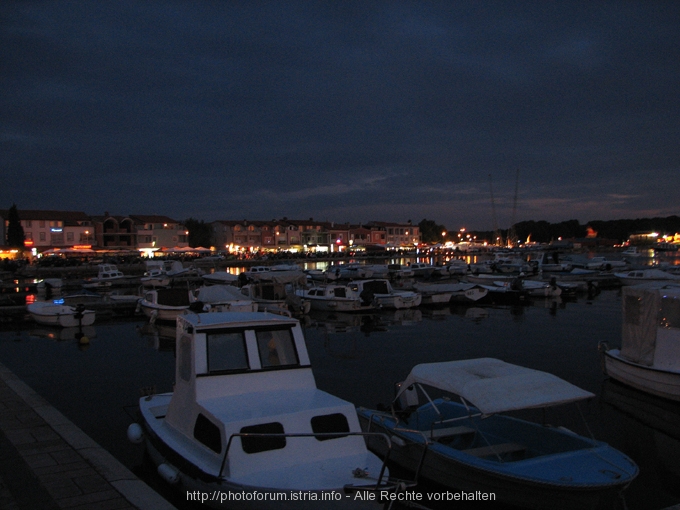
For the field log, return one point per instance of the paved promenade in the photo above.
(47, 462)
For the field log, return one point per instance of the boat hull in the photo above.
(161, 312)
(338, 305)
(61, 316)
(453, 471)
(221, 492)
(662, 383)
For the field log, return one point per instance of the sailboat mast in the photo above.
(496, 231)
(512, 234)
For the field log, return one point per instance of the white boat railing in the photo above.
(379, 485)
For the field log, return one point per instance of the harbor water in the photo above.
(360, 358)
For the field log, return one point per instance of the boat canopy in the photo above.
(494, 386)
(219, 294)
(646, 309)
(283, 277)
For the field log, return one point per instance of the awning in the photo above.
(494, 386)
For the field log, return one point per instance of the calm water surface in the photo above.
(359, 358)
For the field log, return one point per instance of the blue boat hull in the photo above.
(520, 462)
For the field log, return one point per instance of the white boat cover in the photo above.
(646, 308)
(219, 294)
(494, 386)
(293, 277)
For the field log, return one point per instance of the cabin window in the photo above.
(185, 359)
(256, 444)
(226, 351)
(276, 348)
(670, 312)
(340, 292)
(208, 433)
(330, 423)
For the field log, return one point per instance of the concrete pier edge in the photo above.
(134, 490)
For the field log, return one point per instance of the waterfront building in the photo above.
(157, 232)
(44, 230)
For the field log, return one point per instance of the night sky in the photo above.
(342, 111)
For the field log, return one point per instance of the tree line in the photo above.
(544, 232)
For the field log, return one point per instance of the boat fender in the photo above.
(168, 473)
(135, 433)
(153, 317)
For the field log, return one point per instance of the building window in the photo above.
(42, 236)
(42, 223)
(69, 236)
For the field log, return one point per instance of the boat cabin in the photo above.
(651, 325)
(109, 272)
(249, 373)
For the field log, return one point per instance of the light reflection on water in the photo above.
(359, 358)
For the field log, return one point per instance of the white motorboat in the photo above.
(257, 270)
(533, 288)
(337, 298)
(246, 420)
(458, 292)
(381, 291)
(433, 293)
(220, 278)
(48, 313)
(474, 445)
(223, 298)
(457, 267)
(647, 275)
(274, 291)
(165, 304)
(649, 357)
(354, 271)
(421, 269)
(601, 264)
(156, 278)
(550, 262)
(399, 271)
(108, 275)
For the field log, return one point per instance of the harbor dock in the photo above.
(47, 462)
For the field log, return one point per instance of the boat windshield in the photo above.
(226, 351)
(276, 348)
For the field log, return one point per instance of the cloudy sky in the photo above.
(342, 111)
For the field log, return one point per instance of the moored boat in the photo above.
(246, 417)
(381, 292)
(165, 303)
(336, 298)
(647, 275)
(649, 357)
(50, 314)
(472, 446)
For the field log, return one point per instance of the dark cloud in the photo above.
(348, 111)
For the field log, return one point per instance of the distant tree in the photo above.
(430, 232)
(200, 233)
(15, 232)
